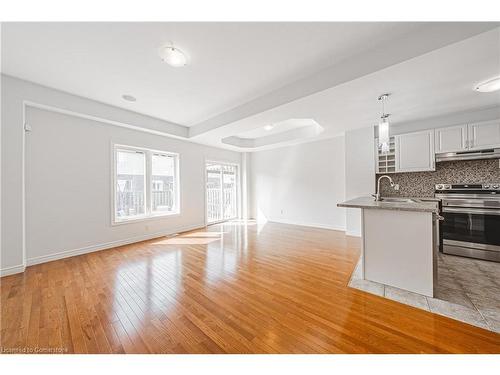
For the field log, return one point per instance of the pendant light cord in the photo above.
(383, 98)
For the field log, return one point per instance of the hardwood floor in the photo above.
(229, 288)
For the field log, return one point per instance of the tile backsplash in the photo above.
(421, 184)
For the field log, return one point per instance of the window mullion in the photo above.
(221, 208)
(149, 182)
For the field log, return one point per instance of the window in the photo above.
(145, 183)
(163, 175)
(130, 184)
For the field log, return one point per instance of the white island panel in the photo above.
(398, 249)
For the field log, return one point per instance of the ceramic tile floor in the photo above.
(467, 290)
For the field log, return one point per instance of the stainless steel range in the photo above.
(471, 225)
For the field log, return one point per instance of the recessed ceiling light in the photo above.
(489, 86)
(173, 56)
(269, 127)
(129, 98)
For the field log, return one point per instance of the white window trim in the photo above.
(149, 215)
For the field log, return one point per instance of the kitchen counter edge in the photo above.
(370, 203)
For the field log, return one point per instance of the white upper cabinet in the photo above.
(476, 136)
(451, 139)
(484, 135)
(415, 151)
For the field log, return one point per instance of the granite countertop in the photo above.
(425, 199)
(420, 204)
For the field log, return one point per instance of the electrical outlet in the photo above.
(282, 211)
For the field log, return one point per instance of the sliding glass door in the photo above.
(222, 191)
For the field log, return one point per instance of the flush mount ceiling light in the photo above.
(383, 126)
(128, 98)
(173, 56)
(489, 86)
(269, 127)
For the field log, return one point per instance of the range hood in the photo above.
(492, 153)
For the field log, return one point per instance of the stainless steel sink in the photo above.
(399, 200)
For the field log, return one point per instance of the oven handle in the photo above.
(493, 197)
(463, 210)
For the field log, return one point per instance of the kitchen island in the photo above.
(399, 242)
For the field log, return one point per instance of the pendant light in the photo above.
(383, 127)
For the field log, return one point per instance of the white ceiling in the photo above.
(234, 65)
(434, 84)
(278, 127)
(230, 63)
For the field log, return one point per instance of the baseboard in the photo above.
(306, 224)
(12, 270)
(352, 234)
(108, 245)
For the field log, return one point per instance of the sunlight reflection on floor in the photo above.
(202, 237)
(239, 223)
(204, 234)
(186, 241)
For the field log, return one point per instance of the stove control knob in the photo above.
(439, 187)
(486, 186)
(495, 186)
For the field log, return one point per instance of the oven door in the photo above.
(472, 228)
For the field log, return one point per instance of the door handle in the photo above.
(473, 211)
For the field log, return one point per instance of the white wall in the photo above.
(68, 160)
(300, 184)
(360, 173)
(245, 186)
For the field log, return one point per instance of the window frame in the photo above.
(239, 208)
(148, 177)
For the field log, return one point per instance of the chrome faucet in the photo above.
(393, 185)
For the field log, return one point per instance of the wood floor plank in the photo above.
(254, 289)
